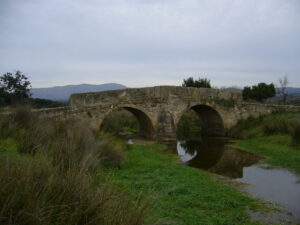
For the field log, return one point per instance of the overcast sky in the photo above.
(151, 42)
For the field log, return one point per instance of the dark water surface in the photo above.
(214, 155)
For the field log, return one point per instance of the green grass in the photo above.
(276, 123)
(180, 194)
(277, 150)
(273, 136)
(48, 174)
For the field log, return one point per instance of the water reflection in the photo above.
(214, 155)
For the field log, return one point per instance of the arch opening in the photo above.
(210, 120)
(128, 120)
(200, 120)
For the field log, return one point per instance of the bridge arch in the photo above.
(211, 120)
(144, 121)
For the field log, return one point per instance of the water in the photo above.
(212, 154)
(215, 155)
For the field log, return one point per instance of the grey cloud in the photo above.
(122, 40)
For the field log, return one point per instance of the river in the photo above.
(215, 155)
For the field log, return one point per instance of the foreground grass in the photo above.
(180, 194)
(277, 150)
(50, 173)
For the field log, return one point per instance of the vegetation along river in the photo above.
(217, 156)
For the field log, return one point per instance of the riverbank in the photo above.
(276, 150)
(179, 194)
(276, 137)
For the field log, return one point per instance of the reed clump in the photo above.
(278, 126)
(277, 123)
(54, 175)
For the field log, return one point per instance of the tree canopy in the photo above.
(14, 88)
(200, 83)
(259, 92)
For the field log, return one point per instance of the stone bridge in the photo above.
(159, 109)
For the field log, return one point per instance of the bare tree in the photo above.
(283, 81)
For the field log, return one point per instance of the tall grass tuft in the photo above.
(277, 126)
(40, 194)
(276, 123)
(55, 175)
(243, 129)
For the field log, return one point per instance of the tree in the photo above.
(14, 88)
(283, 85)
(259, 92)
(200, 83)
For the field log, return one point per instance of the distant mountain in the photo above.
(292, 90)
(62, 93)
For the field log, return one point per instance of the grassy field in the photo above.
(60, 172)
(179, 194)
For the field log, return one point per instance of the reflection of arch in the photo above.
(211, 121)
(209, 151)
(145, 124)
